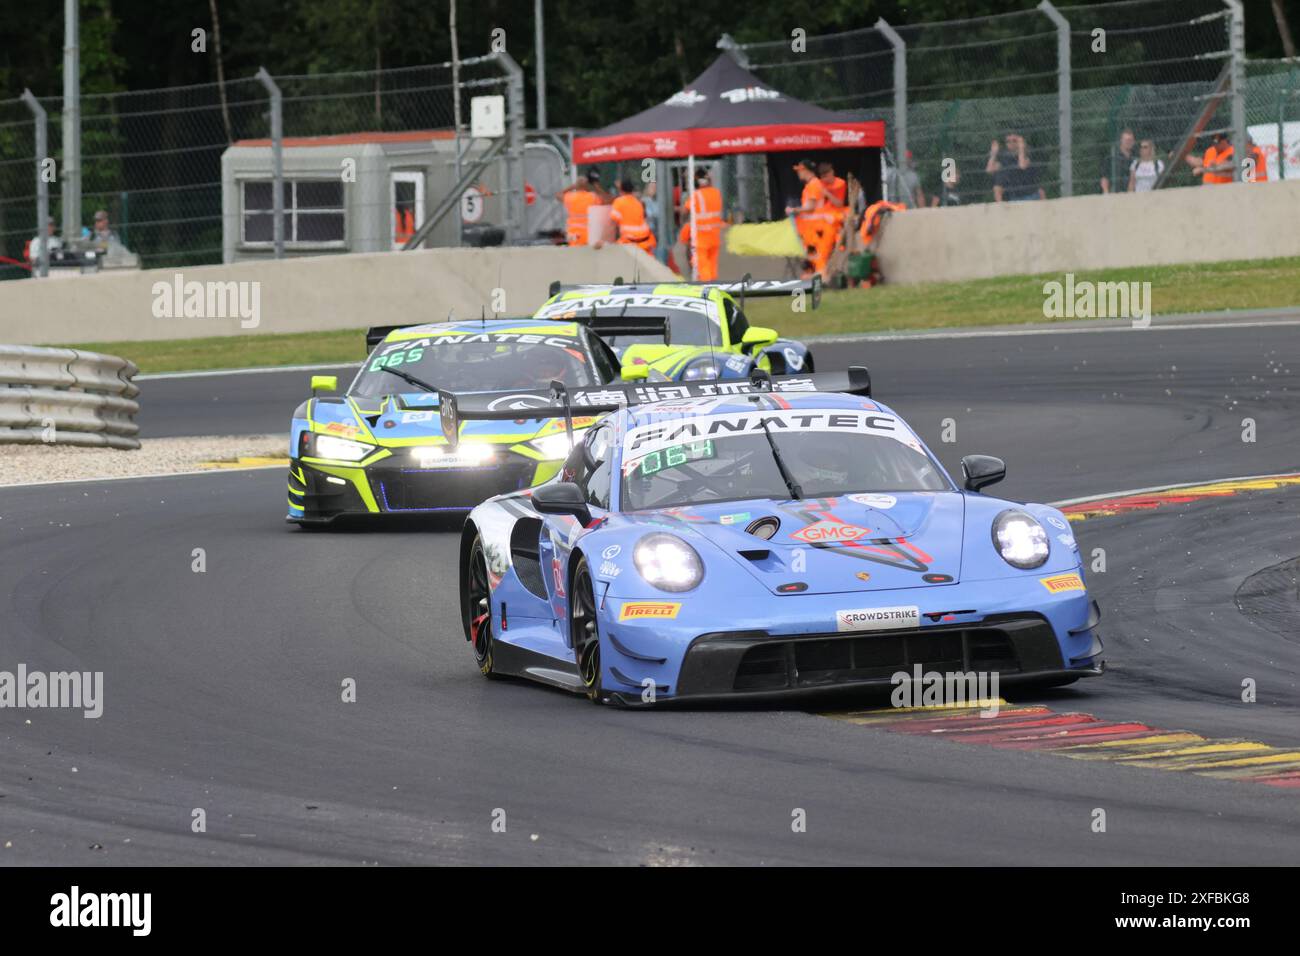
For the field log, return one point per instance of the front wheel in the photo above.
(583, 630)
(476, 612)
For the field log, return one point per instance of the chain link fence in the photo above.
(1159, 69)
(152, 159)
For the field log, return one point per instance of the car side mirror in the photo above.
(636, 373)
(756, 337)
(324, 383)
(561, 498)
(980, 471)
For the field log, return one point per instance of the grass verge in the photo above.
(1253, 284)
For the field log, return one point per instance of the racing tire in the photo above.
(584, 632)
(808, 362)
(476, 611)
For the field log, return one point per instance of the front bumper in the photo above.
(756, 664)
(321, 491)
(791, 645)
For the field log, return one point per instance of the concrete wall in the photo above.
(310, 294)
(1196, 224)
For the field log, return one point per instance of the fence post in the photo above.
(1237, 51)
(725, 42)
(515, 225)
(900, 91)
(277, 159)
(1065, 104)
(71, 121)
(42, 187)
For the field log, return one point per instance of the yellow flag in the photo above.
(764, 239)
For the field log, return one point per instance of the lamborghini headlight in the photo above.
(554, 447)
(1020, 539)
(702, 368)
(667, 562)
(338, 449)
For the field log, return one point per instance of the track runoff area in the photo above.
(220, 690)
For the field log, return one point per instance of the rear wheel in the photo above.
(583, 630)
(477, 610)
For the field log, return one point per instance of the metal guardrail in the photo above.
(67, 397)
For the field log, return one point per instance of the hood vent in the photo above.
(763, 528)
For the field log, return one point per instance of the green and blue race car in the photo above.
(706, 335)
(380, 448)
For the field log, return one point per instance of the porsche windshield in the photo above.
(729, 458)
(468, 362)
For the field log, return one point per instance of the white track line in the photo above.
(265, 370)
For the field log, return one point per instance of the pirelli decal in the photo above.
(1060, 583)
(641, 610)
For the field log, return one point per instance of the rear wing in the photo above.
(658, 326)
(766, 288)
(741, 289)
(377, 333)
(560, 402)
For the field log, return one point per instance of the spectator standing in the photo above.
(629, 214)
(1015, 177)
(905, 184)
(1117, 164)
(50, 241)
(707, 202)
(807, 220)
(103, 235)
(1215, 167)
(577, 199)
(1146, 170)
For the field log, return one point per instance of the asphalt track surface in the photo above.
(222, 689)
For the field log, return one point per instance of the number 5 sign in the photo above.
(471, 205)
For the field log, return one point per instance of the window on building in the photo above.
(313, 212)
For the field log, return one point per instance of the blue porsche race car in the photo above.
(722, 545)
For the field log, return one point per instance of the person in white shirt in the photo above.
(54, 242)
(1146, 170)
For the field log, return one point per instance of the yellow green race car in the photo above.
(706, 335)
(380, 447)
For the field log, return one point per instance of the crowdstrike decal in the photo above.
(76, 690)
(75, 909)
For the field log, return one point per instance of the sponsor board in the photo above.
(878, 618)
(1061, 583)
(641, 610)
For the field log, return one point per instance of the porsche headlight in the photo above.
(667, 562)
(702, 368)
(339, 449)
(1020, 539)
